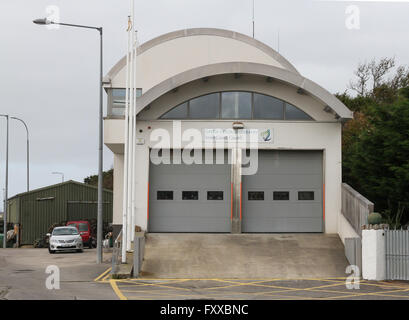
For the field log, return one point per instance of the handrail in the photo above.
(355, 208)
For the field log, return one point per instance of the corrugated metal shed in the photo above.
(38, 209)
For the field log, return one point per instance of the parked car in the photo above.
(84, 228)
(65, 239)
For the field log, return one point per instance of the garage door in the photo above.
(286, 193)
(190, 198)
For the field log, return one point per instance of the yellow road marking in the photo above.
(146, 284)
(116, 290)
(168, 284)
(102, 274)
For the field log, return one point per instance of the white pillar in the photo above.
(373, 255)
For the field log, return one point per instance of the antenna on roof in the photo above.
(253, 18)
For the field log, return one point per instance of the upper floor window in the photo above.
(236, 105)
(116, 101)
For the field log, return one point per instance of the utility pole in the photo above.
(7, 183)
(28, 152)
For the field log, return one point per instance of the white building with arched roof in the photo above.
(199, 87)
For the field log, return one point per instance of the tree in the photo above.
(108, 179)
(376, 142)
(371, 80)
(376, 154)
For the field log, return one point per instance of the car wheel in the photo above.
(79, 250)
(90, 246)
(51, 251)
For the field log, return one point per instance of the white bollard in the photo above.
(373, 255)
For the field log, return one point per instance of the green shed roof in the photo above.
(57, 185)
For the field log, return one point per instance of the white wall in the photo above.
(286, 136)
(345, 229)
(172, 57)
(373, 255)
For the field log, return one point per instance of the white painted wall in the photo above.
(287, 136)
(345, 230)
(373, 255)
(118, 187)
(172, 57)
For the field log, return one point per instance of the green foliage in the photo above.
(394, 219)
(376, 157)
(108, 179)
(376, 143)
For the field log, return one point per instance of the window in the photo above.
(214, 195)
(190, 195)
(179, 112)
(266, 107)
(256, 195)
(281, 195)
(293, 113)
(164, 195)
(116, 101)
(305, 195)
(204, 107)
(83, 227)
(236, 105)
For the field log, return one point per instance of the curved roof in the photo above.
(292, 78)
(206, 32)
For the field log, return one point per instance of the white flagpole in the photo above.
(131, 132)
(134, 139)
(125, 184)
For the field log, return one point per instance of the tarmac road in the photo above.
(23, 275)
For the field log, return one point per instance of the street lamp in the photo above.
(60, 173)
(7, 183)
(46, 21)
(7, 171)
(28, 152)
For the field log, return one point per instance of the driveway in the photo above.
(22, 275)
(243, 256)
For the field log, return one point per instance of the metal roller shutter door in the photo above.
(190, 181)
(285, 195)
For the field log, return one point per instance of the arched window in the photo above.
(236, 105)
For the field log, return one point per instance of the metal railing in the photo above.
(397, 254)
(355, 208)
(116, 253)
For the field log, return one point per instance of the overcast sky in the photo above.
(49, 78)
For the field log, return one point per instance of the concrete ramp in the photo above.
(243, 256)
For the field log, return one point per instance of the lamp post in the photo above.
(46, 21)
(7, 183)
(61, 174)
(28, 152)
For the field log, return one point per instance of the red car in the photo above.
(84, 228)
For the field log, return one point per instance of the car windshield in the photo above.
(65, 232)
(83, 227)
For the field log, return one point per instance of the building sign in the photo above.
(240, 135)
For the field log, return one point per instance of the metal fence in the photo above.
(355, 208)
(397, 254)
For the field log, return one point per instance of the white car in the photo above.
(65, 239)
